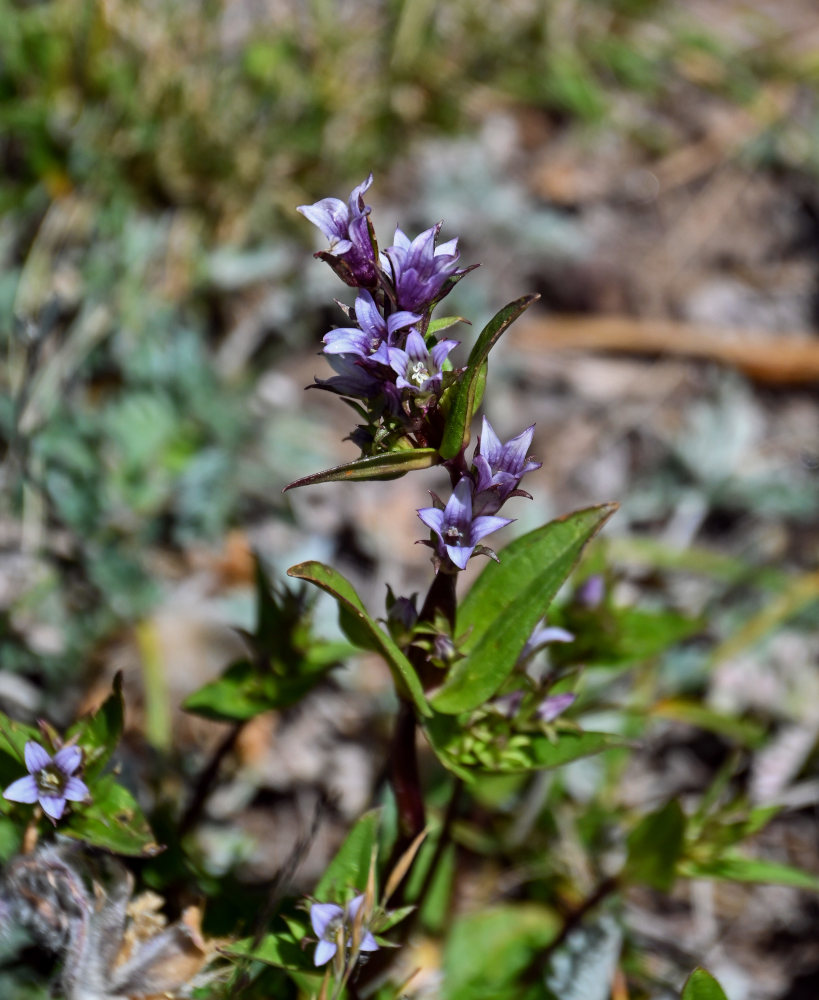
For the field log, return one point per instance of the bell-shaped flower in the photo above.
(417, 368)
(457, 530)
(420, 269)
(51, 781)
(499, 468)
(350, 254)
(554, 705)
(372, 330)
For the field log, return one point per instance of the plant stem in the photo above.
(196, 805)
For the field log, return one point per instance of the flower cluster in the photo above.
(51, 781)
(387, 357)
(471, 512)
(334, 925)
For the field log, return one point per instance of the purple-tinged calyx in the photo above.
(51, 781)
(417, 368)
(350, 254)
(420, 269)
(499, 468)
(457, 530)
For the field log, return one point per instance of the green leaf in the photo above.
(99, 732)
(244, 690)
(112, 821)
(738, 868)
(390, 465)
(746, 732)
(701, 985)
(486, 951)
(281, 949)
(456, 433)
(444, 323)
(465, 752)
(507, 601)
(13, 739)
(655, 846)
(328, 579)
(351, 865)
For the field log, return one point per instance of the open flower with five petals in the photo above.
(499, 468)
(419, 369)
(333, 925)
(51, 781)
(457, 530)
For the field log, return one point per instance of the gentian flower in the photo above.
(499, 468)
(331, 922)
(541, 637)
(458, 531)
(372, 330)
(51, 781)
(350, 254)
(417, 368)
(552, 706)
(420, 269)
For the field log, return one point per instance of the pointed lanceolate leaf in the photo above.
(350, 867)
(701, 985)
(359, 624)
(507, 601)
(390, 465)
(456, 434)
(736, 868)
(655, 846)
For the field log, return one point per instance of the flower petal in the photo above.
(368, 942)
(36, 757)
(321, 914)
(68, 759)
(76, 790)
(354, 906)
(460, 554)
(324, 952)
(432, 518)
(485, 524)
(23, 790)
(53, 805)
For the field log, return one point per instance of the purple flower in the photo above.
(372, 330)
(459, 532)
(350, 254)
(591, 592)
(499, 468)
(50, 780)
(331, 922)
(541, 637)
(417, 368)
(420, 269)
(552, 706)
(353, 378)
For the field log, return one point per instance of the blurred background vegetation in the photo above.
(153, 265)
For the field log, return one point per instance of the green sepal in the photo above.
(358, 622)
(456, 433)
(507, 601)
(390, 465)
(445, 322)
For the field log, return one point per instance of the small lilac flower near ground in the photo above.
(458, 531)
(542, 636)
(591, 592)
(51, 781)
(419, 369)
(331, 922)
